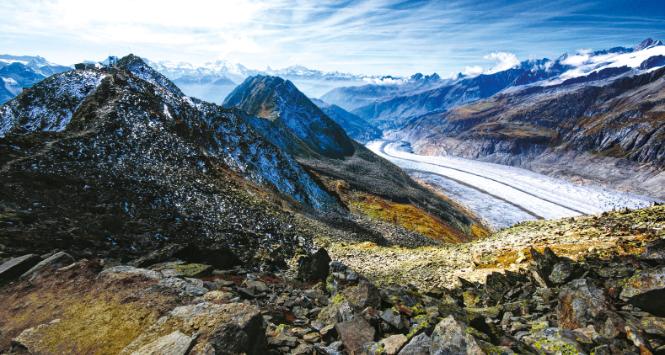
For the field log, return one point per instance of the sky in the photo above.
(377, 37)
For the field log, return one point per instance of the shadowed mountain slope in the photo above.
(369, 182)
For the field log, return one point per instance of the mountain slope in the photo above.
(355, 127)
(610, 131)
(279, 101)
(365, 183)
(118, 161)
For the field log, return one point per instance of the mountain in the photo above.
(355, 127)
(20, 72)
(603, 130)
(390, 108)
(279, 101)
(354, 97)
(120, 160)
(213, 81)
(116, 159)
(367, 184)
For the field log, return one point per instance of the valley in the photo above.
(516, 211)
(503, 195)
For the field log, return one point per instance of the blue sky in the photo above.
(372, 37)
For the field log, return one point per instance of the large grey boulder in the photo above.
(56, 260)
(581, 303)
(355, 334)
(175, 343)
(230, 328)
(450, 337)
(646, 290)
(15, 267)
(418, 345)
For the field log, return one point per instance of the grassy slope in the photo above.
(613, 233)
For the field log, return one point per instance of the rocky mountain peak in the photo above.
(648, 43)
(278, 100)
(137, 66)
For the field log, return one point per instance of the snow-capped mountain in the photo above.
(213, 81)
(606, 127)
(390, 106)
(20, 72)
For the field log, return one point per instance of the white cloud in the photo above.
(473, 70)
(505, 61)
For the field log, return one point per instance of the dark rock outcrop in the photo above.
(15, 267)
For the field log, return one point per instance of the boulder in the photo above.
(654, 251)
(29, 340)
(15, 267)
(450, 337)
(653, 325)
(216, 256)
(56, 260)
(392, 344)
(393, 318)
(554, 341)
(496, 285)
(184, 287)
(175, 343)
(418, 345)
(581, 303)
(124, 272)
(646, 290)
(315, 267)
(562, 272)
(354, 334)
(544, 263)
(362, 295)
(228, 328)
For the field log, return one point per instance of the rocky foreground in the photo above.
(181, 300)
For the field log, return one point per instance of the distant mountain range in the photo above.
(391, 106)
(214, 81)
(598, 118)
(19, 72)
(211, 82)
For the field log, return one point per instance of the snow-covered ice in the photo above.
(530, 195)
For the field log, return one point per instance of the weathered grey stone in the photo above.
(14, 267)
(554, 341)
(363, 295)
(581, 303)
(185, 287)
(123, 271)
(654, 251)
(56, 260)
(355, 334)
(450, 337)
(175, 343)
(646, 290)
(392, 344)
(561, 272)
(229, 328)
(418, 345)
(393, 318)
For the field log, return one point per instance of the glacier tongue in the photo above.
(525, 194)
